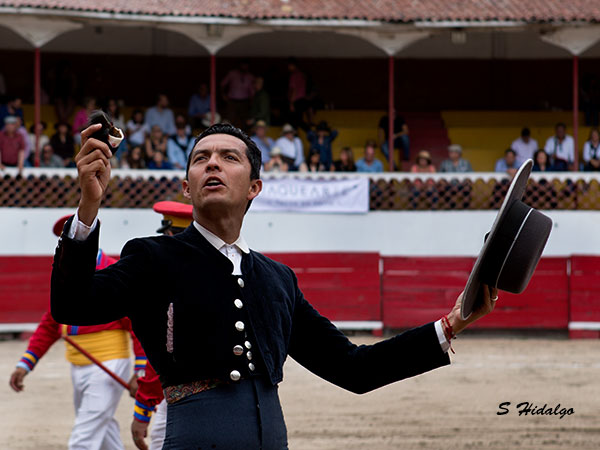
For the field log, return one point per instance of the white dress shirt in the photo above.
(524, 150)
(564, 150)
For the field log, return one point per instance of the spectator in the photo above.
(82, 117)
(238, 89)
(369, 163)
(199, 107)
(525, 146)
(63, 144)
(591, 151)
(114, 112)
(12, 145)
(541, 162)
(314, 162)
(156, 142)
(508, 164)
(137, 130)
(161, 115)
(134, 159)
(158, 162)
(321, 141)
(261, 103)
(262, 141)
(275, 162)
(455, 163)
(11, 108)
(400, 136)
(180, 144)
(292, 150)
(590, 96)
(44, 139)
(345, 163)
(298, 102)
(23, 132)
(49, 159)
(423, 163)
(561, 149)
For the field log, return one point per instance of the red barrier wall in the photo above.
(584, 294)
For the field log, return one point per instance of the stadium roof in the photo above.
(390, 11)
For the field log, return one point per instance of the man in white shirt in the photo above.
(561, 149)
(292, 150)
(525, 146)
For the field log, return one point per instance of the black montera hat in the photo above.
(512, 248)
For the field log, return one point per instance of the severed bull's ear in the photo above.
(109, 134)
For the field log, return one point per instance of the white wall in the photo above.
(412, 233)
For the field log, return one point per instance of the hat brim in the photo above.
(57, 229)
(474, 285)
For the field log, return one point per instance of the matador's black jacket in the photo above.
(188, 276)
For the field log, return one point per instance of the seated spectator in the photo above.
(369, 163)
(63, 144)
(43, 138)
(508, 164)
(525, 146)
(541, 162)
(180, 145)
(292, 150)
(156, 142)
(314, 163)
(591, 151)
(262, 141)
(276, 162)
(320, 140)
(114, 112)
(12, 145)
(134, 159)
(136, 129)
(11, 108)
(455, 163)
(82, 117)
(199, 107)
(423, 163)
(260, 108)
(399, 134)
(345, 163)
(561, 149)
(161, 115)
(23, 132)
(159, 162)
(49, 159)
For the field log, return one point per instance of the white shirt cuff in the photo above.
(23, 366)
(79, 231)
(441, 336)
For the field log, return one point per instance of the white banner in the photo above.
(305, 195)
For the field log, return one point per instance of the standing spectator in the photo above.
(44, 139)
(161, 115)
(49, 159)
(63, 86)
(508, 164)
(292, 150)
(561, 149)
(23, 132)
(180, 144)
(262, 141)
(423, 163)
(298, 102)
(261, 103)
(11, 108)
(399, 134)
(591, 151)
(114, 112)
(155, 142)
(82, 117)
(158, 162)
(63, 144)
(455, 163)
(369, 163)
(199, 107)
(314, 162)
(590, 96)
(321, 141)
(276, 163)
(345, 163)
(134, 159)
(238, 89)
(12, 145)
(137, 130)
(525, 146)
(541, 162)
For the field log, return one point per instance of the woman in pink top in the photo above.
(423, 164)
(81, 118)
